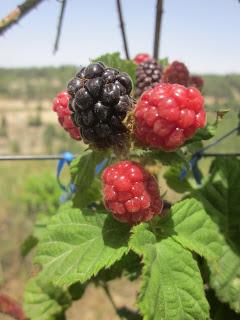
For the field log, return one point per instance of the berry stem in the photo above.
(108, 294)
(158, 21)
(59, 26)
(19, 12)
(122, 27)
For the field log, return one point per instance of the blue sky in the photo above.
(203, 34)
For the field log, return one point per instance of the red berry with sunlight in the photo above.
(130, 193)
(167, 115)
(60, 106)
(197, 81)
(141, 57)
(176, 72)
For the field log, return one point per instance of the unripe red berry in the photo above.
(60, 106)
(167, 115)
(141, 57)
(130, 193)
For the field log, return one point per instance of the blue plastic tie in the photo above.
(67, 158)
(193, 165)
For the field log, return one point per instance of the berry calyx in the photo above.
(100, 101)
(61, 107)
(141, 57)
(176, 72)
(167, 115)
(130, 193)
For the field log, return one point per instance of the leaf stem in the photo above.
(108, 294)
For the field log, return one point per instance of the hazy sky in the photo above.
(203, 34)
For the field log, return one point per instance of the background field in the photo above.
(27, 125)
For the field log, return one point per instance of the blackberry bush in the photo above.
(113, 226)
(148, 75)
(100, 101)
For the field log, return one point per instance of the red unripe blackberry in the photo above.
(176, 72)
(196, 81)
(100, 101)
(167, 115)
(148, 75)
(141, 57)
(130, 193)
(60, 106)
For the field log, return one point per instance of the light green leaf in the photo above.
(225, 278)
(79, 244)
(43, 301)
(172, 177)
(172, 287)
(190, 225)
(83, 168)
(90, 195)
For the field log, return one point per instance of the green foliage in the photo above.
(44, 301)
(114, 60)
(172, 286)
(172, 177)
(79, 244)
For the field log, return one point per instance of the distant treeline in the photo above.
(44, 83)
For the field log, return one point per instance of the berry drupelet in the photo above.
(100, 101)
(167, 115)
(130, 193)
(60, 106)
(148, 75)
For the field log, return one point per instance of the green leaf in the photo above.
(114, 60)
(191, 226)
(225, 277)
(172, 177)
(172, 287)
(222, 191)
(225, 270)
(44, 301)
(29, 243)
(83, 168)
(91, 195)
(205, 133)
(79, 244)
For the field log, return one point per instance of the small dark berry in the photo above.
(87, 134)
(125, 80)
(94, 87)
(74, 85)
(103, 130)
(88, 118)
(101, 111)
(83, 99)
(81, 73)
(94, 70)
(111, 94)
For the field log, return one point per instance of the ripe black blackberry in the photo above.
(149, 74)
(100, 102)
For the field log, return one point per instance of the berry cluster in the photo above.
(131, 193)
(176, 72)
(141, 57)
(148, 75)
(100, 101)
(167, 115)
(60, 106)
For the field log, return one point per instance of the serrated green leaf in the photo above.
(114, 60)
(172, 177)
(44, 301)
(172, 287)
(191, 226)
(79, 244)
